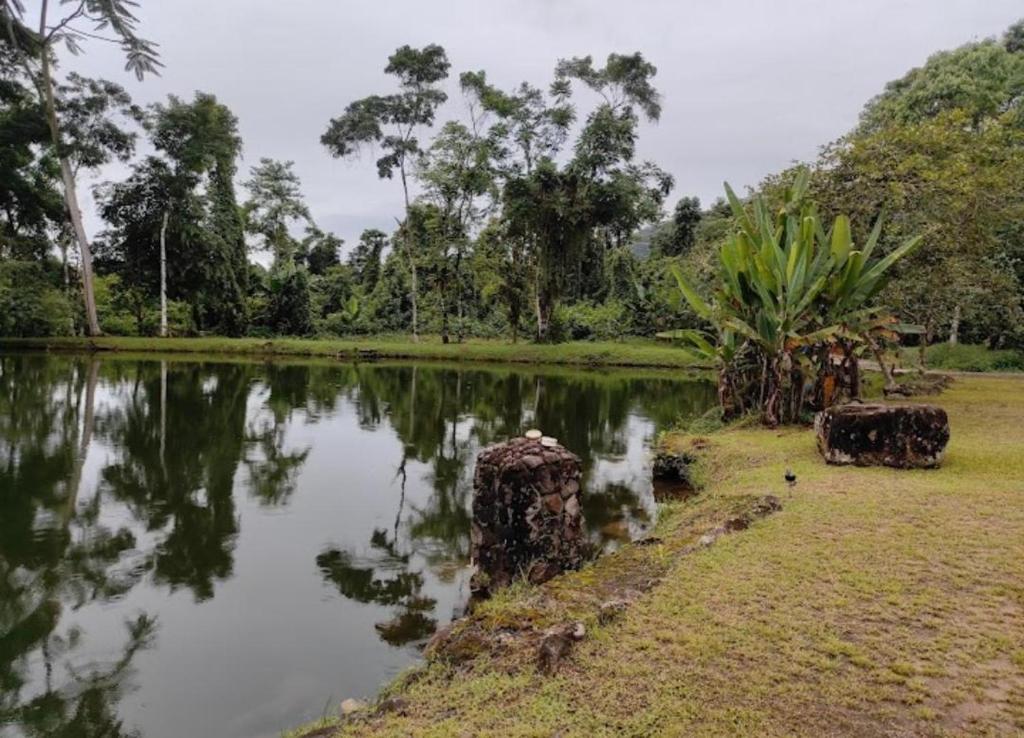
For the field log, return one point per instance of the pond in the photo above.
(228, 548)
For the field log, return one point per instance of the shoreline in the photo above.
(634, 353)
(817, 618)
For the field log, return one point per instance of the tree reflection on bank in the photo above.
(116, 472)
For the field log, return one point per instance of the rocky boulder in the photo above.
(901, 436)
(527, 520)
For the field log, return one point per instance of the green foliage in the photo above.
(785, 292)
(585, 321)
(968, 358)
(365, 258)
(983, 80)
(288, 302)
(275, 204)
(390, 121)
(30, 201)
(320, 251)
(938, 177)
(29, 303)
(191, 181)
(680, 235)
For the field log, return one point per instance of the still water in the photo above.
(194, 548)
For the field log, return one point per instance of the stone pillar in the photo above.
(527, 520)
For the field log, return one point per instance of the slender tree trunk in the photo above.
(411, 255)
(66, 273)
(70, 192)
(415, 293)
(458, 296)
(444, 319)
(954, 329)
(163, 276)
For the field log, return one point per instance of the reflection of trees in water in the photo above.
(84, 707)
(55, 555)
(273, 472)
(443, 416)
(383, 578)
(175, 466)
(178, 432)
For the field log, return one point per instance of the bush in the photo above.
(585, 321)
(30, 305)
(974, 358)
(288, 306)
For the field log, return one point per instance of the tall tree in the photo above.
(181, 201)
(31, 206)
(365, 258)
(320, 250)
(983, 79)
(456, 172)
(571, 215)
(685, 220)
(392, 122)
(274, 207)
(111, 17)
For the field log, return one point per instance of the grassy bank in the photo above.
(966, 358)
(636, 352)
(877, 602)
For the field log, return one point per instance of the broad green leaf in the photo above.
(692, 296)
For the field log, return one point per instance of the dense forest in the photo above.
(528, 216)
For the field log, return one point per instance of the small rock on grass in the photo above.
(351, 706)
(396, 705)
(611, 611)
(556, 644)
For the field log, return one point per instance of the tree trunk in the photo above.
(70, 192)
(415, 291)
(66, 274)
(163, 277)
(887, 372)
(410, 254)
(459, 312)
(772, 394)
(444, 318)
(954, 329)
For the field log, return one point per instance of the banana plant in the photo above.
(786, 291)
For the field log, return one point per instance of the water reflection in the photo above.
(385, 579)
(56, 556)
(126, 485)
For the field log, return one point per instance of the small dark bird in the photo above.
(790, 478)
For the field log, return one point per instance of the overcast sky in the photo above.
(748, 86)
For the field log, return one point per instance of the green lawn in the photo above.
(633, 352)
(877, 602)
(966, 358)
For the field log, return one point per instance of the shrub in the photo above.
(973, 358)
(288, 306)
(30, 305)
(586, 321)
